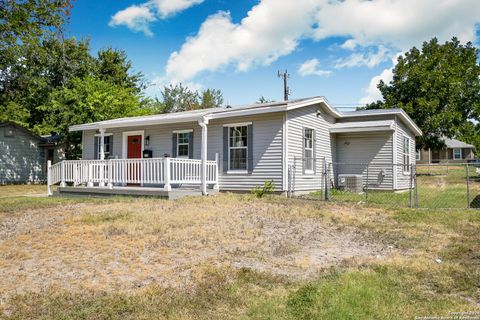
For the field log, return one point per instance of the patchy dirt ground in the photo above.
(127, 244)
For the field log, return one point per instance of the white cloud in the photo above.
(311, 68)
(369, 59)
(139, 17)
(170, 7)
(373, 94)
(136, 18)
(273, 28)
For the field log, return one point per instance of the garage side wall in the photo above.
(367, 154)
(403, 175)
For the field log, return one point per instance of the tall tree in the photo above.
(438, 86)
(113, 66)
(85, 100)
(211, 98)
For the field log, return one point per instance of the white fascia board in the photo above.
(310, 102)
(244, 112)
(415, 129)
(132, 123)
(361, 129)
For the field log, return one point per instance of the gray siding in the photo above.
(267, 152)
(356, 152)
(307, 118)
(403, 179)
(267, 147)
(21, 158)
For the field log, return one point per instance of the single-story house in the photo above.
(455, 151)
(238, 148)
(24, 154)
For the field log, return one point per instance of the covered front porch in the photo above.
(130, 156)
(155, 176)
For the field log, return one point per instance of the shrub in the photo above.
(268, 187)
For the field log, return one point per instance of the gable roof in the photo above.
(455, 144)
(46, 140)
(26, 130)
(243, 110)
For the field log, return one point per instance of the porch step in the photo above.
(131, 191)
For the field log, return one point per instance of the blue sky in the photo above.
(339, 49)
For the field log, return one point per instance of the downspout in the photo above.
(203, 124)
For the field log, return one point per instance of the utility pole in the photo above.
(286, 89)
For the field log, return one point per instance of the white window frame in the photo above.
(178, 132)
(97, 136)
(237, 125)
(418, 155)
(453, 154)
(304, 131)
(406, 159)
(125, 136)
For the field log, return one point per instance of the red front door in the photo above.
(134, 151)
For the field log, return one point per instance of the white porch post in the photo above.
(49, 178)
(102, 156)
(217, 165)
(203, 123)
(62, 182)
(166, 175)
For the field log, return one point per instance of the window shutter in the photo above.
(250, 148)
(95, 146)
(174, 145)
(304, 161)
(110, 155)
(314, 154)
(225, 149)
(190, 145)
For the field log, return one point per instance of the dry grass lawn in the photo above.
(233, 256)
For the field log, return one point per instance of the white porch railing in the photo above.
(156, 171)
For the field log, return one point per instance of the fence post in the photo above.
(366, 187)
(325, 179)
(62, 181)
(49, 178)
(294, 173)
(166, 171)
(411, 186)
(415, 186)
(468, 186)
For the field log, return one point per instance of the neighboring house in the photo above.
(24, 154)
(252, 144)
(455, 151)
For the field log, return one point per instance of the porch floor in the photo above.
(175, 193)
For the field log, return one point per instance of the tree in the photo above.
(211, 98)
(176, 98)
(85, 100)
(113, 66)
(438, 86)
(262, 99)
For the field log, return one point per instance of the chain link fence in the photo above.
(434, 186)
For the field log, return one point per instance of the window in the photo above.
(457, 154)
(237, 146)
(418, 156)
(308, 149)
(183, 142)
(406, 155)
(107, 146)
